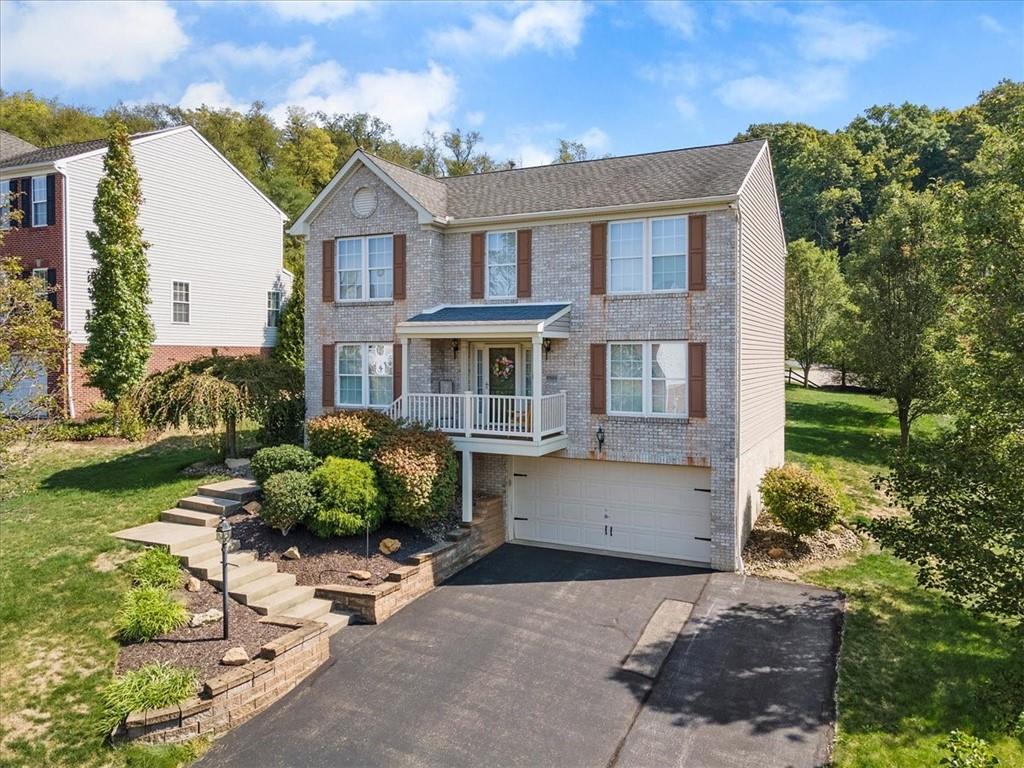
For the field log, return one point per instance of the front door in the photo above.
(501, 370)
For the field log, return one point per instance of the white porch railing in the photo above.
(485, 415)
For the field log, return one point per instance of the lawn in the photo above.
(913, 665)
(58, 592)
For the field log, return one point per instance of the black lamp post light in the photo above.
(224, 536)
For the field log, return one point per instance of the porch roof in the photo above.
(488, 321)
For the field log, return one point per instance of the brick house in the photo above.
(217, 280)
(602, 340)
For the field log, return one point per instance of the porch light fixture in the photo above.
(547, 348)
(600, 438)
(455, 349)
(224, 537)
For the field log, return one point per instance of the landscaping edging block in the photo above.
(425, 569)
(239, 693)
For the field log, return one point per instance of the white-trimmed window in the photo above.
(39, 201)
(647, 255)
(180, 301)
(500, 261)
(5, 206)
(365, 267)
(365, 374)
(273, 309)
(647, 378)
(39, 282)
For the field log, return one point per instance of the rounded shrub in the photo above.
(155, 568)
(147, 612)
(349, 500)
(281, 458)
(289, 498)
(349, 434)
(799, 500)
(418, 475)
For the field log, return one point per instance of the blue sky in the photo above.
(621, 76)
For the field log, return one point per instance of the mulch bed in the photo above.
(202, 648)
(329, 561)
(786, 558)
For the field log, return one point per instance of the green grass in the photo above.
(56, 606)
(913, 665)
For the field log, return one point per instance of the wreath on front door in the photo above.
(503, 367)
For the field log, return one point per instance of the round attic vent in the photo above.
(364, 202)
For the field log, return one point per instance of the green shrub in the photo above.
(418, 475)
(966, 751)
(799, 500)
(350, 434)
(156, 568)
(289, 498)
(282, 458)
(282, 422)
(150, 687)
(348, 497)
(148, 612)
(81, 431)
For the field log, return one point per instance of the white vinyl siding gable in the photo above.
(647, 255)
(647, 378)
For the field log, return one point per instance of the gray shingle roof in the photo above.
(12, 146)
(679, 174)
(492, 312)
(60, 152)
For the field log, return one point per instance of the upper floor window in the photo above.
(501, 265)
(180, 302)
(365, 268)
(39, 218)
(365, 374)
(647, 378)
(647, 255)
(273, 309)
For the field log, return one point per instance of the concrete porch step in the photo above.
(261, 588)
(211, 504)
(313, 608)
(210, 567)
(279, 602)
(241, 574)
(190, 517)
(237, 489)
(174, 537)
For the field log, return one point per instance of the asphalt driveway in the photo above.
(517, 661)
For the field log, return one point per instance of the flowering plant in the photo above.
(503, 367)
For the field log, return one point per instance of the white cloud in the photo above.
(684, 73)
(676, 15)
(991, 24)
(316, 11)
(259, 56)
(828, 36)
(595, 140)
(475, 119)
(686, 108)
(211, 94)
(88, 43)
(410, 102)
(544, 25)
(798, 94)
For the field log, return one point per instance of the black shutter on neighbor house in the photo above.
(51, 283)
(25, 185)
(51, 198)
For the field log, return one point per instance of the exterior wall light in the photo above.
(455, 349)
(600, 439)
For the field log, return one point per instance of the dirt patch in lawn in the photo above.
(202, 648)
(771, 552)
(329, 561)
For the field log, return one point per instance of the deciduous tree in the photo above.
(816, 295)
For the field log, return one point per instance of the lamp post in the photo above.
(224, 536)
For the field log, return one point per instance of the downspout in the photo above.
(739, 334)
(68, 356)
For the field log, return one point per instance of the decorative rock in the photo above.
(387, 546)
(360, 575)
(235, 657)
(292, 553)
(198, 619)
(777, 553)
(237, 463)
(193, 584)
(253, 507)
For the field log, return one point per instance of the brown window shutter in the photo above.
(329, 278)
(396, 371)
(696, 368)
(398, 267)
(330, 374)
(524, 263)
(696, 260)
(598, 258)
(598, 377)
(476, 265)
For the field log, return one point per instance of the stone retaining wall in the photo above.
(237, 695)
(426, 569)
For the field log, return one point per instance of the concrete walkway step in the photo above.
(172, 536)
(209, 550)
(261, 588)
(211, 567)
(278, 603)
(241, 574)
(313, 608)
(236, 489)
(335, 621)
(190, 517)
(211, 504)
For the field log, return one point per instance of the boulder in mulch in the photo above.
(360, 575)
(292, 553)
(237, 463)
(388, 546)
(253, 507)
(193, 584)
(777, 553)
(199, 619)
(235, 657)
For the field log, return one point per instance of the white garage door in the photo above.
(638, 509)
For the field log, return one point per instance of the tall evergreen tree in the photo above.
(119, 328)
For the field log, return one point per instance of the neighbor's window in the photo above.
(365, 267)
(180, 302)
(39, 201)
(273, 309)
(39, 282)
(365, 374)
(647, 255)
(501, 265)
(647, 378)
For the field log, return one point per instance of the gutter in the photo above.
(61, 168)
